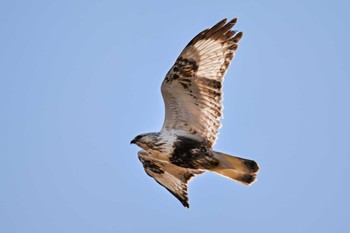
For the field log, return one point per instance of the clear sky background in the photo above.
(80, 79)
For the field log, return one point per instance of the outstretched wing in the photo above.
(171, 177)
(192, 88)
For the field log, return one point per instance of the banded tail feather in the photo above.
(236, 168)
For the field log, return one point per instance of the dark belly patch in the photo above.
(190, 153)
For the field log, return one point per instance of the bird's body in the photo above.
(178, 148)
(192, 93)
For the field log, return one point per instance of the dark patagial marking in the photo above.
(147, 164)
(188, 67)
(182, 67)
(175, 76)
(190, 153)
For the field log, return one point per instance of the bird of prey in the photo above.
(192, 93)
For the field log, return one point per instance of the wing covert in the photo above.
(192, 89)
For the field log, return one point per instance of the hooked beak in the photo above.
(133, 141)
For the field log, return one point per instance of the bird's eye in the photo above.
(138, 137)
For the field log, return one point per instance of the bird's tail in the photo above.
(235, 168)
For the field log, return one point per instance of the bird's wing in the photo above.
(192, 88)
(171, 177)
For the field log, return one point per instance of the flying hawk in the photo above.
(192, 95)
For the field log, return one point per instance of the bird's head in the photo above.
(146, 140)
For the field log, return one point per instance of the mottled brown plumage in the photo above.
(192, 93)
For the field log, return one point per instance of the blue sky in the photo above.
(79, 79)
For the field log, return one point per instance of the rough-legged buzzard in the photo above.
(192, 93)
